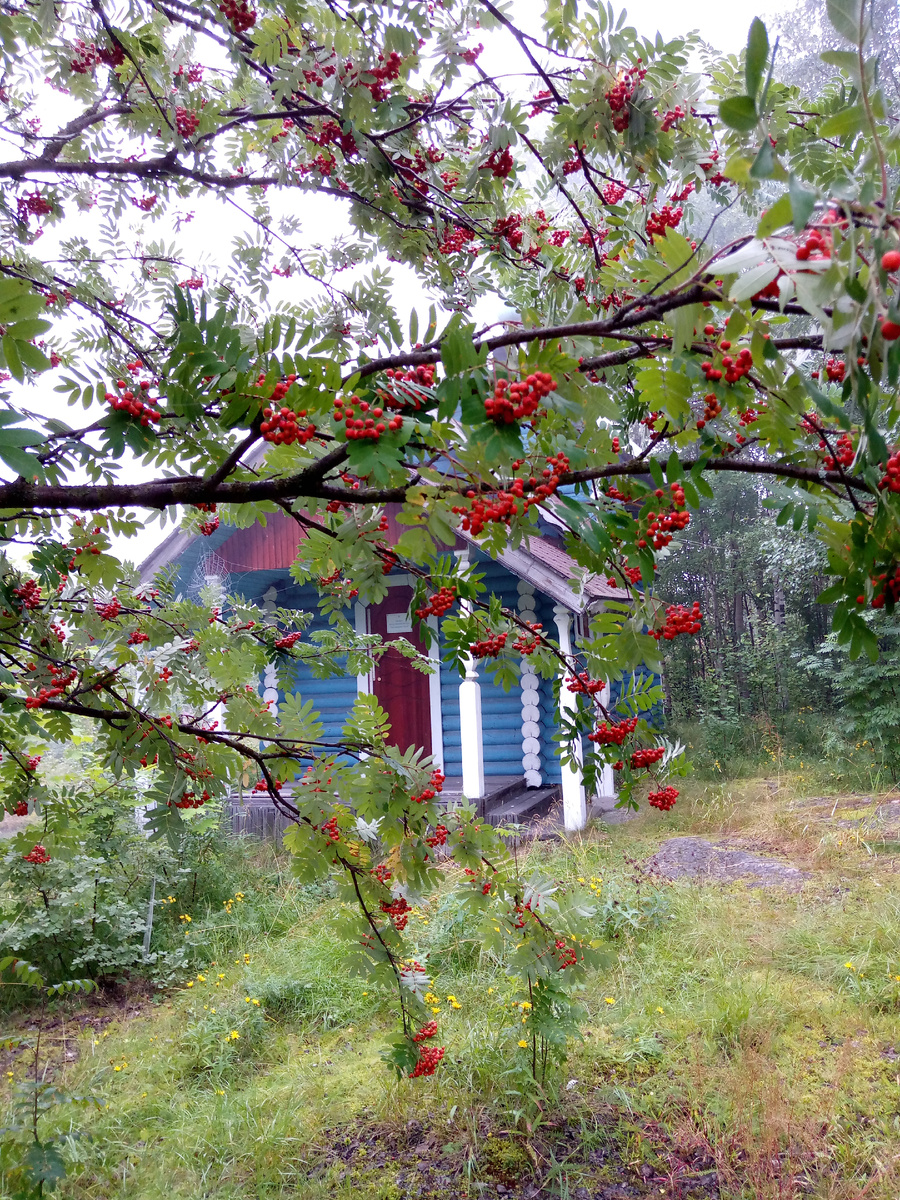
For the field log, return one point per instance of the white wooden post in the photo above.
(574, 808)
(470, 731)
(607, 797)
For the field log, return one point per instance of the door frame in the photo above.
(365, 684)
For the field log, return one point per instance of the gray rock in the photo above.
(695, 858)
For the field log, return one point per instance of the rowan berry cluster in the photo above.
(510, 229)
(439, 837)
(87, 57)
(21, 808)
(37, 856)
(640, 759)
(525, 643)
(541, 101)
(429, 1058)
(60, 683)
(287, 641)
(672, 117)
(613, 192)
(565, 954)
(427, 1031)
(330, 829)
(144, 203)
(382, 873)
(664, 525)
(816, 246)
(664, 799)
(835, 370)
(583, 685)
(667, 218)
(469, 56)
(890, 481)
(436, 785)
(32, 204)
(398, 910)
(620, 94)
(734, 368)
(513, 401)
(109, 610)
(29, 593)
(500, 163)
(572, 166)
(137, 404)
(371, 424)
(711, 409)
(488, 647)
(192, 800)
(455, 239)
(613, 735)
(239, 13)
(887, 587)
(441, 602)
(844, 452)
(137, 636)
(679, 620)
(279, 425)
(422, 376)
(186, 122)
(32, 762)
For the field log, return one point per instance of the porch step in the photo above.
(522, 805)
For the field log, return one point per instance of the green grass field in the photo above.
(743, 1042)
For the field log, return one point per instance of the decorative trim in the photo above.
(270, 677)
(531, 729)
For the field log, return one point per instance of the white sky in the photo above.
(722, 25)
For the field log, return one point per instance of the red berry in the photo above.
(891, 260)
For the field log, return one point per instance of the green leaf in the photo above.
(11, 354)
(23, 464)
(757, 54)
(845, 60)
(764, 163)
(32, 357)
(802, 203)
(739, 112)
(775, 217)
(847, 18)
(846, 123)
(43, 1164)
(20, 437)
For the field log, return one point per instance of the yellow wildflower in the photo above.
(523, 1044)
(609, 999)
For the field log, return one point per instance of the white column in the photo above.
(471, 734)
(607, 797)
(434, 697)
(470, 731)
(361, 626)
(574, 808)
(531, 713)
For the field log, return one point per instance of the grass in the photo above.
(729, 1038)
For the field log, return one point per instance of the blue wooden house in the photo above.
(493, 746)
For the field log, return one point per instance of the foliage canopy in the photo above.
(587, 187)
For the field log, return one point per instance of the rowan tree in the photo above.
(585, 185)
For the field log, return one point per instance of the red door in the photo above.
(401, 690)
